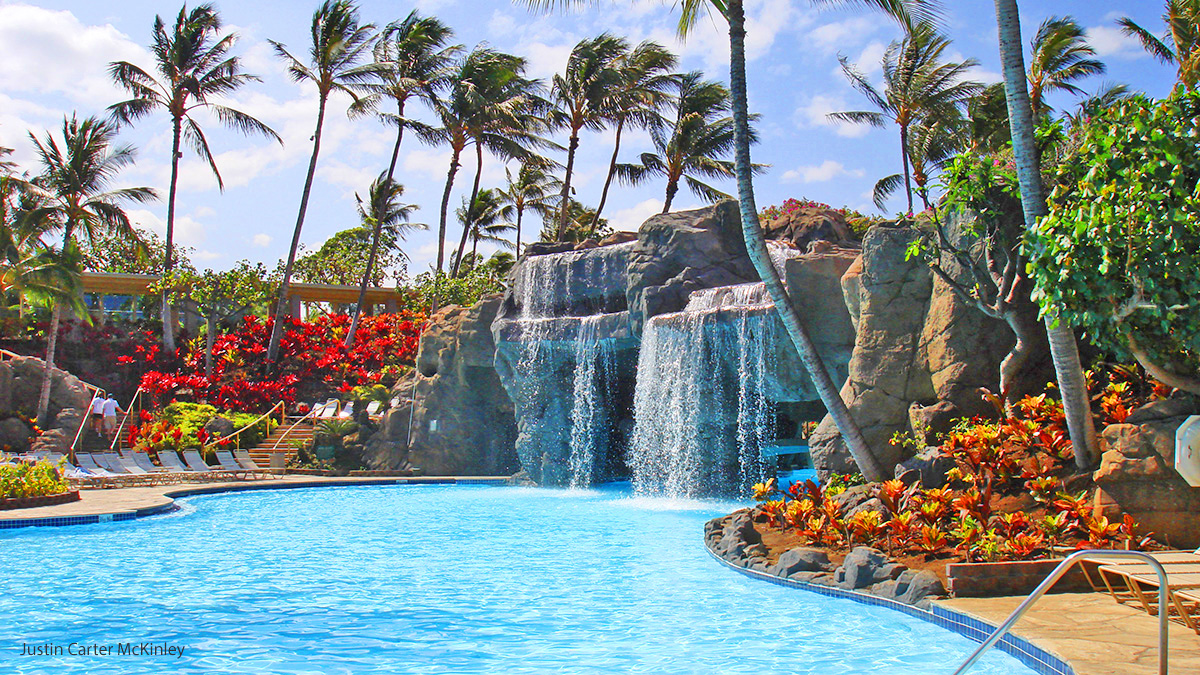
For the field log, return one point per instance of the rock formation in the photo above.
(20, 386)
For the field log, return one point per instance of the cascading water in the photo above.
(701, 407)
(560, 321)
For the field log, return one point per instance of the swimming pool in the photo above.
(437, 579)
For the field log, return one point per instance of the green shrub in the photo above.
(31, 480)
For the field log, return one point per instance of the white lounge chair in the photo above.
(196, 463)
(347, 410)
(247, 462)
(330, 410)
(228, 463)
(373, 409)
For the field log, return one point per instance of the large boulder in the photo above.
(463, 420)
(21, 385)
(916, 341)
(804, 226)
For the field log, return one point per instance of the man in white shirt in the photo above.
(98, 415)
(110, 415)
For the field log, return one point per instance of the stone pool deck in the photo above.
(1091, 631)
(134, 502)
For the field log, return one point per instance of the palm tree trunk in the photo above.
(399, 137)
(462, 244)
(904, 156)
(520, 212)
(1063, 349)
(612, 170)
(756, 248)
(282, 306)
(43, 409)
(362, 288)
(572, 146)
(672, 189)
(441, 256)
(168, 320)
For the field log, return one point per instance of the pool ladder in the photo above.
(1063, 567)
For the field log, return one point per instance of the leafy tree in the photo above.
(72, 193)
(142, 253)
(693, 145)
(643, 89)
(1061, 56)
(1118, 253)
(382, 213)
(919, 88)
(533, 189)
(1063, 348)
(413, 62)
(194, 66)
(339, 43)
(581, 97)
(1180, 42)
(341, 260)
(1106, 97)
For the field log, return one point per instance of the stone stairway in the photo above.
(291, 434)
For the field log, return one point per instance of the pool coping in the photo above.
(1041, 661)
(164, 502)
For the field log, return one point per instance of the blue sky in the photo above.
(53, 59)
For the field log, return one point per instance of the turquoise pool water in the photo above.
(434, 580)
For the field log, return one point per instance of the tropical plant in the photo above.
(1180, 42)
(1108, 95)
(484, 222)
(413, 62)
(193, 66)
(1061, 56)
(37, 479)
(645, 75)
(932, 144)
(381, 212)
(693, 144)
(533, 189)
(987, 121)
(1064, 351)
(920, 88)
(339, 43)
(1118, 253)
(72, 193)
(581, 225)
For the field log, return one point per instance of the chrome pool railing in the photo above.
(1063, 567)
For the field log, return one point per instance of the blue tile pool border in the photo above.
(172, 495)
(1036, 658)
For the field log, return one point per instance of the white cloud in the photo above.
(1110, 42)
(837, 35)
(354, 179)
(827, 170)
(261, 239)
(188, 230)
(631, 219)
(815, 113)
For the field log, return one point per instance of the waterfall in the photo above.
(701, 406)
(590, 413)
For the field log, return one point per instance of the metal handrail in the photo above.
(1057, 574)
(87, 414)
(128, 412)
(275, 447)
(266, 415)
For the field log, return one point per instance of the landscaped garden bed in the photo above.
(43, 500)
(27, 485)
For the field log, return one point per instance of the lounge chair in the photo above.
(1140, 582)
(228, 463)
(247, 462)
(143, 460)
(373, 409)
(330, 410)
(170, 460)
(1187, 606)
(1163, 557)
(88, 463)
(196, 463)
(347, 411)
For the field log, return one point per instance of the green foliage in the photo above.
(471, 285)
(1118, 253)
(31, 480)
(342, 259)
(190, 418)
(142, 253)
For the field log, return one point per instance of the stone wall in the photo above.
(20, 386)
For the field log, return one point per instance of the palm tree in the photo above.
(533, 189)
(580, 97)
(1063, 349)
(701, 134)
(918, 87)
(582, 225)
(1108, 95)
(73, 194)
(1061, 55)
(384, 214)
(484, 221)
(193, 66)
(414, 62)
(932, 144)
(645, 77)
(987, 120)
(1179, 44)
(338, 44)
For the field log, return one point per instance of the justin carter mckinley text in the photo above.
(118, 649)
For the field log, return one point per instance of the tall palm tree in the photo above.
(694, 144)
(484, 221)
(1063, 349)
(73, 194)
(533, 189)
(414, 63)
(645, 77)
(932, 144)
(1060, 57)
(580, 97)
(987, 120)
(385, 215)
(193, 66)
(582, 225)
(918, 86)
(1180, 42)
(338, 45)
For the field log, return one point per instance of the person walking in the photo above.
(98, 404)
(111, 408)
